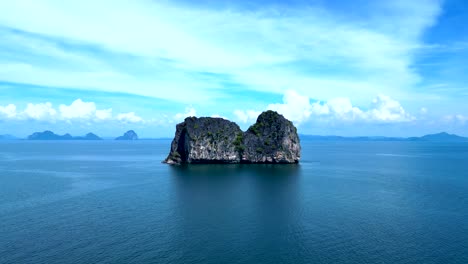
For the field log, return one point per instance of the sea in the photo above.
(345, 202)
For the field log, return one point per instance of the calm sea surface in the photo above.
(346, 202)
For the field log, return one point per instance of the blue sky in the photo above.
(395, 68)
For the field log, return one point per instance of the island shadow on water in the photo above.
(236, 182)
(213, 177)
(218, 170)
(236, 206)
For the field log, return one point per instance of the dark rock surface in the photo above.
(49, 135)
(272, 139)
(205, 140)
(129, 135)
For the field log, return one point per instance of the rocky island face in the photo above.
(272, 139)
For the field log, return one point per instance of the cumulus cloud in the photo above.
(295, 107)
(41, 111)
(77, 111)
(338, 108)
(105, 114)
(386, 109)
(298, 108)
(189, 111)
(80, 110)
(8, 112)
(130, 117)
(246, 116)
(382, 109)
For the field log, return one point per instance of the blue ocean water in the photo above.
(346, 202)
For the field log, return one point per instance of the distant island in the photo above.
(439, 137)
(49, 135)
(129, 135)
(445, 137)
(272, 139)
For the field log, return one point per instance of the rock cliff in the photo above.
(272, 139)
(205, 140)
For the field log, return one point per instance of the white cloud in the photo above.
(105, 114)
(129, 118)
(77, 111)
(246, 116)
(8, 111)
(189, 111)
(299, 109)
(80, 110)
(382, 109)
(295, 107)
(386, 109)
(41, 112)
(339, 108)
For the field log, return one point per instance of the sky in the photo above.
(390, 68)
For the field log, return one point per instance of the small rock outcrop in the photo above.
(272, 139)
(129, 135)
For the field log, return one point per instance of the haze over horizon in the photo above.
(366, 68)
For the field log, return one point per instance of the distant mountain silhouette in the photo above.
(129, 135)
(445, 137)
(89, 136)
(340, 138)
(49, 135)
(439, 137)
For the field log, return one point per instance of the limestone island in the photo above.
(272, 139)
(129, 135)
